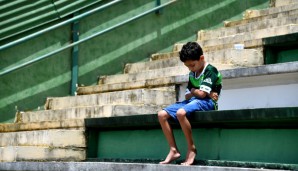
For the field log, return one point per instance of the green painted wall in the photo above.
(29, 87)
(247, 145)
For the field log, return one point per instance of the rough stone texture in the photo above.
(144, 75)
(249, 27)
(257, 34)
(48, 138)
(89, 112)
(159, 56)
(245, 57)
(112, 166)
(65, 124)
(278, 3)
(136, 97)
(29, 153)
(285, 13)
(283, 6)
(148, 83)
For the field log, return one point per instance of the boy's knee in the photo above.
(181, 113)
(162, 114)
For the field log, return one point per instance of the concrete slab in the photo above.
(244, 72)
(135, 97)
(65, 124)
(143, 75)
(233, 57)
(46, 138)
(254, 35)
(148, 83)
(86, 166)
(282, 7)
(29, 153)
(89, 112)
(159, 56)
(278, 3)
(286, 13)
(249, 27)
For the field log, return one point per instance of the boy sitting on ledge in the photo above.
(202, 92)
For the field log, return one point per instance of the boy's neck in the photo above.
(201, 69)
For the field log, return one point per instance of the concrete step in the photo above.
(133, 97)
(45, 125)
(211, 165)
(160, 56)
(259, 15)
(45, 138)
(249, 27)
(257, 34)
(143, 75)
(148, 83)
(29, 153)
(243, 57)
(278, 3)
(270, 11)
(250, 40)
(88, 112)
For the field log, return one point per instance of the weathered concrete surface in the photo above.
(249, 27)
(281, 7)
(228, 76)
(47, 138)
(29, 153)
(135, 97)
(285, 13)
(65, 124)
(159, 56)
(278, 3)
(148, 83)
(89, 112)
(109, 166)
(234, 57)
(143, 75)
(254, 35)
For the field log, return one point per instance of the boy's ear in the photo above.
(202, 57)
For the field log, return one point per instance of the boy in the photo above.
(201, 94)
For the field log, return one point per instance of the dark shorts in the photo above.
(191, 105)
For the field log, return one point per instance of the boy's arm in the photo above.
(202, 94)
(198, 93)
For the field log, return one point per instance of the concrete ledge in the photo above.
(255, 17)
(274, 73)
(31, 153)
(46, 138)
(87, 112)
(124, 97)
(249, 27)
(275, 10)
(65, 124)
(86, 166)
(245, 118)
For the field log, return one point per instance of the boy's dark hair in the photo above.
(190, 51)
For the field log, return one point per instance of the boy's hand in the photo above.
(213, 95)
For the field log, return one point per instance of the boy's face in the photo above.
(195, 65)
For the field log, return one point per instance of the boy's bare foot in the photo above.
(173, 155)
(190, 157)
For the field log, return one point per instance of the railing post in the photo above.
(158, 4)
(74, 57)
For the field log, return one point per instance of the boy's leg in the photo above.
(186, 128)
(174, 153)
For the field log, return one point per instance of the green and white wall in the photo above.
(27, 88)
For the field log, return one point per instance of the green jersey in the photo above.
(209, 80)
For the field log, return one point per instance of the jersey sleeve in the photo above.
(209, 80)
